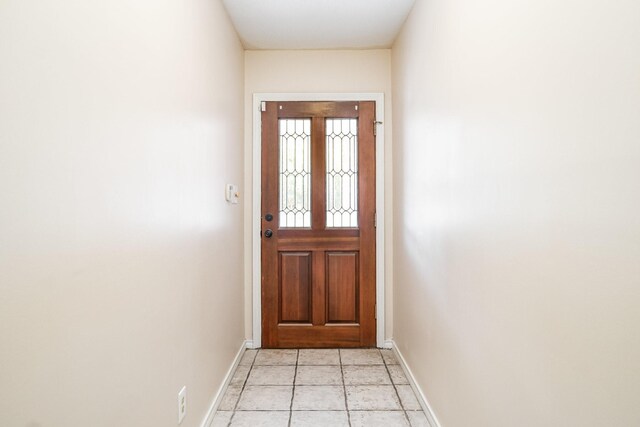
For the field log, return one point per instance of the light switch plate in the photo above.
(231, 194)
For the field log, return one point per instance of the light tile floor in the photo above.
(323, 388)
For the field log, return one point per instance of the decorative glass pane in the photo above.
(295, 173)
(342, 172)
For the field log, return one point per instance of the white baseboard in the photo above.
(387, 344)
(431, 416)
(208, 419)
(250, 344)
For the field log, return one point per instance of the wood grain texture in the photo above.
(367, 208)
(342, 287)
(269, 203)
(344, 109)
(318, 284)
(295, 287)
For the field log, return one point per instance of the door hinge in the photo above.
(375, 127)
(263, 106)
(375, 311)
(375, 220)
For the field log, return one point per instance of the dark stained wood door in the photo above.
(318, 224)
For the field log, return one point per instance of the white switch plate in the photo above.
(182, 404)
(231, 194)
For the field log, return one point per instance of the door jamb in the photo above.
(256, 280)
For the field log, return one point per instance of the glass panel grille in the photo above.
(295, 173)
(342, 172)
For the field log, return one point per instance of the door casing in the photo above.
(256, 281)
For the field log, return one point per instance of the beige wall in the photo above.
(318, 71)
(120, 262)
(517, 214)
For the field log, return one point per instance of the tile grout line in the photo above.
(344, 388)
(393, 383)
(293, 389)
(244, 383)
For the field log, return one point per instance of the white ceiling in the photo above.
(317, 24)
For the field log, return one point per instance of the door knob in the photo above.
(268, 233)
(268, 217)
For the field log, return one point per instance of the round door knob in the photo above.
(268, 217)
(268, 233)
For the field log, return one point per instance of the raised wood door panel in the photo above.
(295, 287)
(318, 230)
(342, 287)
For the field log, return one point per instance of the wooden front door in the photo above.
(318, 224)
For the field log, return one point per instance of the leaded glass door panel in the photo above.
(318, 230)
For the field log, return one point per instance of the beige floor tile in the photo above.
(397, 374)
(408, 398)
(240, 375)
(319, 419)
(366, 375)
(417, 419)
(260, 419)
(319, 375)
(319, 357)
(378, 419)
(265, 398)
(389, 357)
(221, 419)
(271, 375)
(248, 356)
(369, 356)
(276, 357)
(230, 398)
(372, 397)
(318, 398)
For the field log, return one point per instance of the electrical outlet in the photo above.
(182, 404)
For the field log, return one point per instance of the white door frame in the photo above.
(258, 98)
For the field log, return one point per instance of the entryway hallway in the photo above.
(329, 387)
(507, 167)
